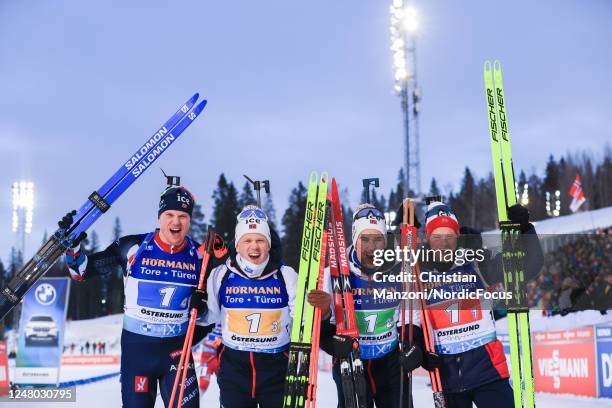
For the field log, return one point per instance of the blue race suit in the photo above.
(158, 279)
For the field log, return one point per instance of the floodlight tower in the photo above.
(404, 28)
(23, 211)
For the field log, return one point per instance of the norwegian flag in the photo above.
(577, 194)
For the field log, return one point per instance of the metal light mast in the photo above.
(404, 27)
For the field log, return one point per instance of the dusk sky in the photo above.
(292, 87)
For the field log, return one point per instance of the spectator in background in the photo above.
(569, 289)
(602, 292)
(586, 262)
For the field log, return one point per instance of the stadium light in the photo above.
(23, 205)
(557, 210)
(401, 19)
(23, 211)
(525, 195)
(410, 20)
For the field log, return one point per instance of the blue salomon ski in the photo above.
(98, 203)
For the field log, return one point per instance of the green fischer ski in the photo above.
(512, 253)
(297, 378)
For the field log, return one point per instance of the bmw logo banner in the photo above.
(41, 332)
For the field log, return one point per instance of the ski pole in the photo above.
(434, 375)
(411, 236)
(205, 250)
(403, 244)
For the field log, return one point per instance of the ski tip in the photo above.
(193, 99)
(487, 66)
(324, 177)
(313, 177)
(200, 107)
(496, 65)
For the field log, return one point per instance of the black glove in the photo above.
(470, 238)
(411, 358)
(343, 345)
(67, 220)
(431, 361)
(520, 215)
(198, 300)
(414, 357)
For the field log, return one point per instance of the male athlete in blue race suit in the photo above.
(160, 271)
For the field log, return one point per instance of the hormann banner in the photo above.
(41, 332)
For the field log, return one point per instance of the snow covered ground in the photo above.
(107, 393)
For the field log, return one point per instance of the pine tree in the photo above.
(363, 198)
(603, 177)
(588, 181)
(198, 228)
(400, 194)
(94, 242)
(225, 208)
(391, 204)
(551, 178)
(293, 224)
(268, 207)
(464, 202)
(565, 167)
(117, 229)
(375, 201)
(3, 280)
(246, 196)
(15, 263)
(434, 190)
(347, 217)
(486, 204)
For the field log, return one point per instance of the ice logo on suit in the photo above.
(45, 294)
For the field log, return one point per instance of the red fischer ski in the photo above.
(311, 396)
(351, 368)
